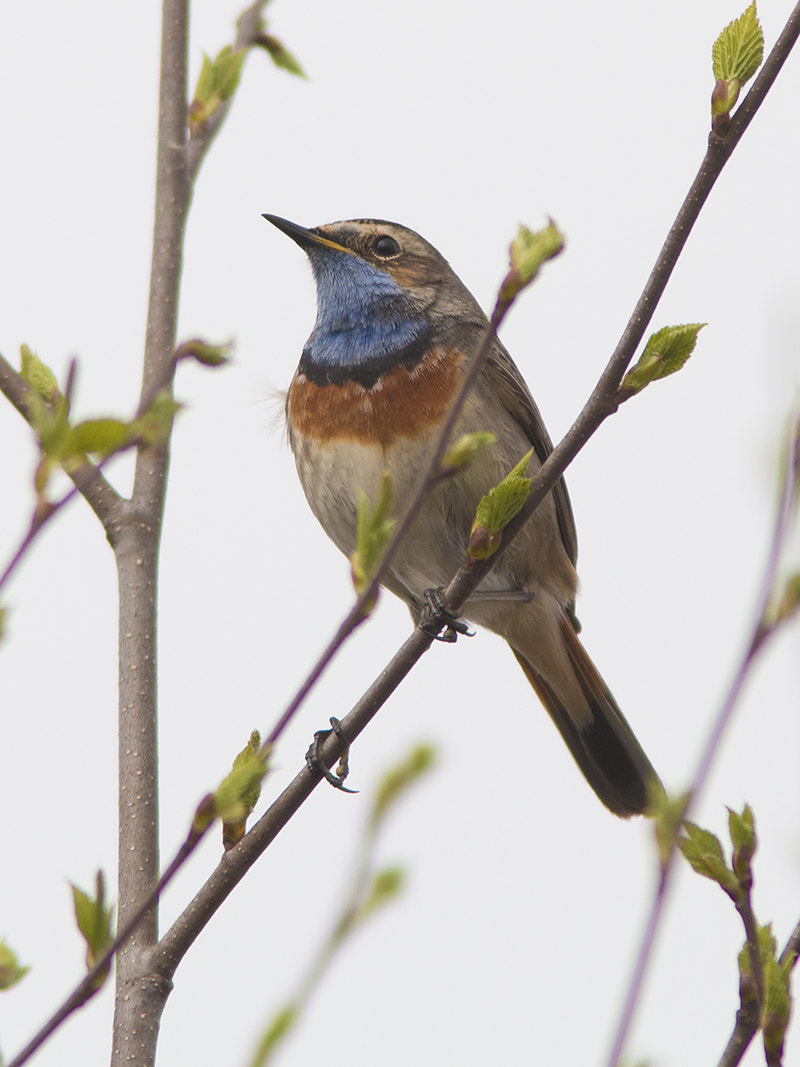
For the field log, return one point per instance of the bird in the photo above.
(394, 329)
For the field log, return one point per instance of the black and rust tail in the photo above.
(600, 740)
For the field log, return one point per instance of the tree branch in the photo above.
(136, 545)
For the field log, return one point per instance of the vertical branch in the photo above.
(136, 539)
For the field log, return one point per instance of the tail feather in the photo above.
(604, 747)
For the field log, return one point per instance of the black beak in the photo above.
(300, 235)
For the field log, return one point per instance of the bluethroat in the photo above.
(394, 329)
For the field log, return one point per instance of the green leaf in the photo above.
(205, 354)
(777, 1006)
(238, 793)
(739, 50)
(703, 851)
(153, 426)
(399, 778)
(280, 55)
(465, 451)
(283, 1022)
(766, 950)
(743, 839)
(665, 353)
(496, 510)
(374, 526)
(233, 829)
(101, 436)
(789, 601)
(668, 815)
(11, 971)
(37, 374)
(528, 251)
(94, 921)
(736, 56)
(218, 81)
(386, 885)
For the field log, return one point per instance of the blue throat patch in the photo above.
(363, 316)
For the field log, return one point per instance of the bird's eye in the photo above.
(385, 246)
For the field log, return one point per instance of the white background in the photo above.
(515, 939)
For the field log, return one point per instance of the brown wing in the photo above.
(516, 398)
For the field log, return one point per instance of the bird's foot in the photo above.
(436, 616)
(316, 763)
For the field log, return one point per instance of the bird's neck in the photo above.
(366, 323)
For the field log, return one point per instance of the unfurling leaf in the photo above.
(668, 814)
(739, 49)
(496, 510)
(777, 1006)
(736, 56)
(238, 793)
(374, 526)
(465, 451)
(11, 970)
(766, 950)
(397, 779)
(233, 829)
(94, 923)
(386, 885)
(528, 251)
(665, 353)
(206, 354)
(218, 80)
(744, 841)
(280, 55)
(703, 851)
(99, 436)
(37, 374)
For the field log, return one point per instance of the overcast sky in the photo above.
(525, 903)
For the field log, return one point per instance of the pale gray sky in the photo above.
(526, 899)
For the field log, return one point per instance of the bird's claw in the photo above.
(315, 762)
(435, 615)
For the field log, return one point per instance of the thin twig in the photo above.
(747, 1017)
(759, 632)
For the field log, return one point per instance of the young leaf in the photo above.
(374, 526)
(11, 971)
(496, 510)
(398, 779)
(739, 50)
(205, 354)
(777, 1006)
(100, 436)
(665, 353)
(218, 81)
(280, 55)
(237, 794)
(703, 851)
(465, 451)
(736, 56)
(528, 251)
(94, 921)
(743, 839)
(386, 885)
(37, 374)
(233, 829)
(668, 815)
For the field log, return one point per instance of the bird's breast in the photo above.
(403, 402)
